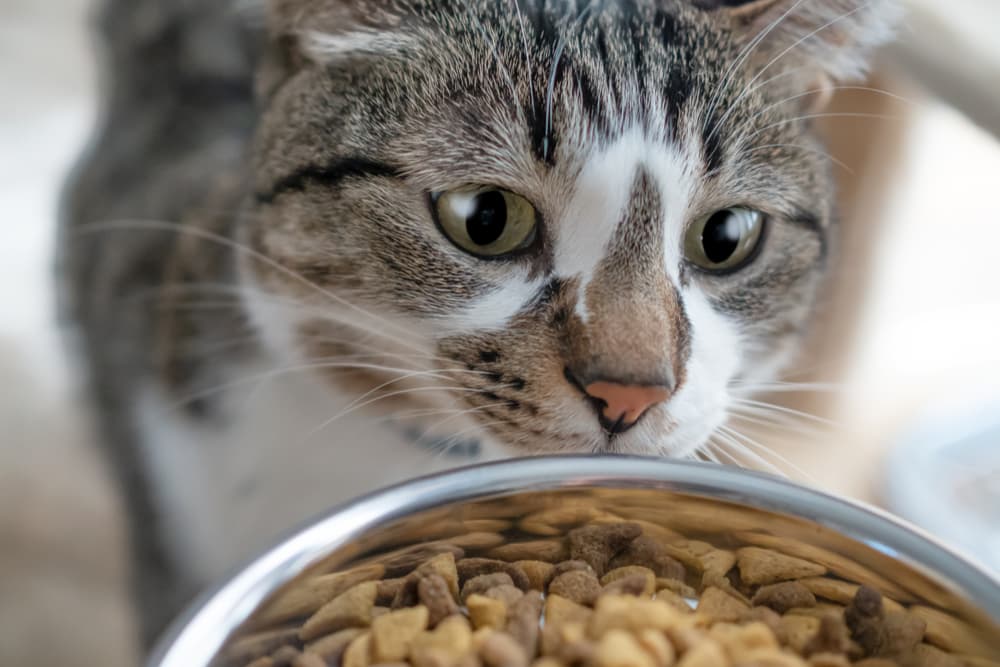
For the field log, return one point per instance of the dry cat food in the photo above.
(607, 593)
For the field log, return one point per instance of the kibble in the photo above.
(597, 545)
(392, 634)
(523, 620)
(351, 609)
(434, 593)
(506, 594)
(784, 596)
(539, 573)
(763, 566)
(579, 586)
(469, 568)
(607, 593)
(484, 582)
(486, 612)
(552, 551)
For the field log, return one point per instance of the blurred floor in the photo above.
(929, 332)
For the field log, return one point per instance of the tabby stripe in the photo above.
(712, 144)
(329, 176)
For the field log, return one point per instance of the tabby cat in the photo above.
(324, 245)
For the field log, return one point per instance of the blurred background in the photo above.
(910, 348)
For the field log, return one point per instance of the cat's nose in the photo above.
(621, 406)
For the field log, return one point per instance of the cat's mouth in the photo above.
(618, 407)
(578, 421)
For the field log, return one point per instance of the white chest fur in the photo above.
(232, 489)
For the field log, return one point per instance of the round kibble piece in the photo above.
(864, 619)
(577, 585)
(784, 596)
(469, 568)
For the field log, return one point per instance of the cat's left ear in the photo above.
(823, 39)
(304, 32)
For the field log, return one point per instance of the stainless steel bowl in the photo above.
(721, 505)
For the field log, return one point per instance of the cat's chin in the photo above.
(661, 437)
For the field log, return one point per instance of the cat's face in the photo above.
(584, 223)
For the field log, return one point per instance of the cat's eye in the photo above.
(485, 221)
(726, 240)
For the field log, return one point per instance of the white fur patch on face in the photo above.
(700, 406)
(329, 48)
(602, 196)
(495, 310)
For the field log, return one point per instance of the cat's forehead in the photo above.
(556, 80)
(524, 96)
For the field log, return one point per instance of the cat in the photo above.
(320, 246)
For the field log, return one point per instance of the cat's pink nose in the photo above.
(623, 405)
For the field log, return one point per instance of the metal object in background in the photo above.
(945, 476)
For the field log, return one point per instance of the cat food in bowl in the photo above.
(599, 562)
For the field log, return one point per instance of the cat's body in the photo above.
(280, 311)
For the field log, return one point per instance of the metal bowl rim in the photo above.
(196, 637)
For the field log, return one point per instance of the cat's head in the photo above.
(583, 222)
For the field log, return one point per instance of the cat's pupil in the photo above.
(488, 219)
(721, 237)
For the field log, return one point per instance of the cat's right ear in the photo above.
(817, 41)
(322, 32)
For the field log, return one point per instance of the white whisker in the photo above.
(783, 410)
(815, 116)
(772, 422)
(764, 450)
(741, 58)
(740, 449)
(153, 225)
(818, 151)
(527, 56)
(355, 406)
